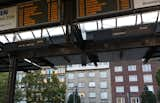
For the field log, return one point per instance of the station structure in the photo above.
(41, 33)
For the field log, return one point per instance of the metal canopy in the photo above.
(79, 41)
(99, 39)
(133, 43)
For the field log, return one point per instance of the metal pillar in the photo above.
(12, 80)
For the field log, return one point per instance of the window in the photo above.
(104, 95)
(134, 89)
(120, 100)
(135, 100)
(70, 85)
(119, 79)
(49, 71)
(60, 70)
(150, 88)
(92, 94)
(118, 69)
(103, 85)
(120, 89)
(92, 84)
(133, 78)
(70, 76)
(92, 74)
(81, 75)
(132, 68)
(81, 85)
(103, 74)
(146, 68)
(61, 78)
(147, 78)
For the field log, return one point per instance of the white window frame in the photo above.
(147, 78)
(150, 88)
(92, 84)
(135, 98)
(122, 99)
(104, 95)
(81, 75)
(81, 85)
(118, 69)
(92, 74)
(103, 85)
(92, 95)
(134, 89)
(133, 78)
(103, 74)
(146, 68)
(132, 68)
(119, 89)
(70, 85)
(119, 79)
(70, 76)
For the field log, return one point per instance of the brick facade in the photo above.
(126, 83)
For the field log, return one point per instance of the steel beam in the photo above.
(91, 46)
(12, 80)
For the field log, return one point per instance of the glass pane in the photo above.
(109, 23)
(13, 37)
(3, 39)
(89, 26)
(54, 31)
(37, 33)
(26, 35)
(129, 20)
(150, 17)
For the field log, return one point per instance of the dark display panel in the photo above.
(93, 7)
(39, 11)
(124, 4)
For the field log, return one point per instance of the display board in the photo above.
(8, 18)
(39, 11)
(93, 7)
(145, 3)
(124, 4)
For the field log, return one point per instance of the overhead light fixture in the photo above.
(29, 61)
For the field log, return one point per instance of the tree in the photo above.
(148, 96)
(3, 87)
(158, 77)
(158, 94)
(19, 93)
(158, 82)
(41, 88)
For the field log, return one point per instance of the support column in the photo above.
(69, 12)
(12, 80)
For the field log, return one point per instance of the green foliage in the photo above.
(3, 87)
(148, 96)
(158, 94)
(18, 95)
(158, 82)
(158, 77)
(42, 88)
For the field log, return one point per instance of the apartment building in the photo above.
(60, 71)
(93, 83)
(128, 80)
